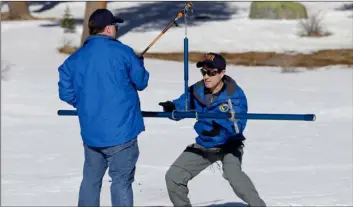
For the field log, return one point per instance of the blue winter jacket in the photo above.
(101, 80)
(197, 101)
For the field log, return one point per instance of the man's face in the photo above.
(211, 76)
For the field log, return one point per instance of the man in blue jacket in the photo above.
(217, 140)
(101, 80)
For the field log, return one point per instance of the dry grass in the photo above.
(6, 17)
(316, 59)
(67, 49)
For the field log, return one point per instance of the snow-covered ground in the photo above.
(290, 162)
(236, 33)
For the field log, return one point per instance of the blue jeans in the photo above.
(121, 161)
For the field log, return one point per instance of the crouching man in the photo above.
(220, 139)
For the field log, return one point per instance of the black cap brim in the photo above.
(201, 63)
(118, 20)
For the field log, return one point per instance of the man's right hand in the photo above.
(168, 106)
(142, 60)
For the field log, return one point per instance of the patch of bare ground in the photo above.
(316, 59)
(5, 16)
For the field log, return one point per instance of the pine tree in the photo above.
(67, 22)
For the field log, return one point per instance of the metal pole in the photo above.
(186, 63)
(208, 115)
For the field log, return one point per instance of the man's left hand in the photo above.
(168, 106)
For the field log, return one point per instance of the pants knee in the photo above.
(176, 176)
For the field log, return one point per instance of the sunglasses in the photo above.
(209, 72)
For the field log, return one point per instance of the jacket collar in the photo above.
(98, 36)
(228, 89)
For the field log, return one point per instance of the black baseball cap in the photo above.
(103, 17)
(212, 60)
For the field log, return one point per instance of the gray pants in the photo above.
(195, 158)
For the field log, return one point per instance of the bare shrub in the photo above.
(313, 26)
(5, 68)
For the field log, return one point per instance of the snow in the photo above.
(290, 162)
(236, 33)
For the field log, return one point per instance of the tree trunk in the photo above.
(91, 6)
(19, 10)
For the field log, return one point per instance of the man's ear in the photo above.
(110, 29)
(106, 29)
(223, 72)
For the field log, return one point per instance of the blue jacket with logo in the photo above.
(101, 80)
(197, 101)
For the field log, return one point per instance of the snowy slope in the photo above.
(291, 163)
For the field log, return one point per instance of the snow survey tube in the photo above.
(174, 21)
(208, 115)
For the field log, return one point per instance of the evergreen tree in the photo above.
(67, 22)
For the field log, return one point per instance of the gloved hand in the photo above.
(214, 132)
(142, 60)
(168, 106)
